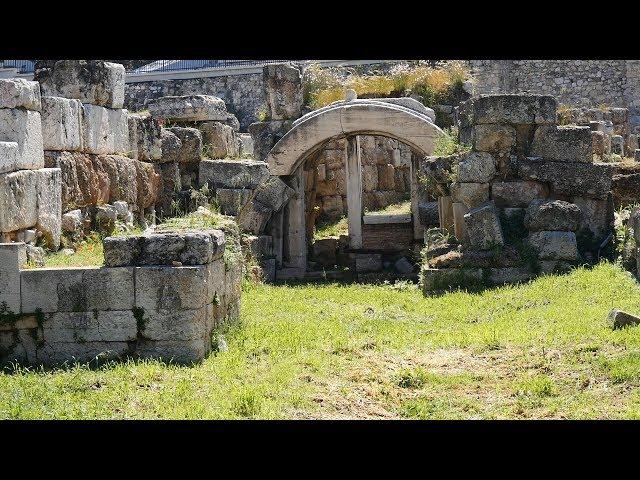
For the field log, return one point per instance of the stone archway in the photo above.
(408, 122)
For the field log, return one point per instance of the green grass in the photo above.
(333, 228)
(538, 350)
(89, 253)
(393, 209)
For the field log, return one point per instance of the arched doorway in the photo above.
(410, 125)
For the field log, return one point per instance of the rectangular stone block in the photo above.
(18, 346)
(25, 128)
(219, 140)
(57, 353)
(189, 108)
(575, 178)
(77, 289)
(232, 200)
(61, 124)
(8, 157)
(368, 262)
(233, 173)
(190, 150)
(49, 205)
(145, 138)
(94, 326)
(19, 93)
(517, 194)
(18, 200)
(162, 289)
(93, 82)
(564, 144)
(510, 109)
(13, 256)
(104, 130)
(175, 325)
(483, 227)
(555, 245)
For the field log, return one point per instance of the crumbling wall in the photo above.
(527, 198)
(158, 296)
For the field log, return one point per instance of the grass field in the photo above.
(539, 350)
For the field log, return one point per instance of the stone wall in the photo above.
(583, 83)
(243, 94)
(158, 296)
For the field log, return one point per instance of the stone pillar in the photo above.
(277, 231)
(459, 227)
(445, 213)
(418, 228)
(354, 191)
(13, 256)
(295, 238)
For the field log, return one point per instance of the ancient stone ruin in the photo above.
(532, 190)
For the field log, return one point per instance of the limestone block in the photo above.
(55, 353)
(471, 194)
(176, 325)
(91, 81)
(94, 326)
(191, 141)
(517, 194)
(483, 227)
(219, 140)
(121, 251)
(497, 139)
(555, 245)
(552, 215)
(618, 319)
(324, 251)
(19, 93)
(18, 200)
(49, 205)
(104, 130)
(403, 266)
(266, 134)
(8, 157)
(509, 108)
(260, 246)
(198, 249)
(597, 215)
(232, 173)
(565, 144)
(428, 212)
(617, 144)
(245, 145)
(25, 128)
(18, 346)
(598, 143)
(145, 139)
(254, 217)
(283, 90)
(72, 222)
(171, 146)
(476, 167)
(61, 124)
(386, 177)
(273, 193)
(77, 289)
(171, 289)
(189, 108)
(13, 256)
(500, 276)
(369, 178)
(368, 262)
(575, 178)
(160, 248)
(232, 200)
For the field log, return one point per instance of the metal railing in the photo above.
(175, 65)
(23, 66)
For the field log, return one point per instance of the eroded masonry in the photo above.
(184, 199)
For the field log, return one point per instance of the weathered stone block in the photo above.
(428, 213)
(617, 144)
(191, 141)
(565, 144)
(597, 215)
(13, 256)
(171, 289)
(176, 325)
(552, 215)
(189, 108)
(18, 200)
(476, 167)
(509, 108)
(324, 251)
(260, 246)
(254, 217)
(121, 251)
(198, 248)
(555, 245)
(368, 262)
(219, 140)
(245, 145)
(49, 205)
(77, 289)
(181, 352)
(55, 353)
(233, 173)
(575, 178)
(160, 248)
(496, 139)
(232, 200)
(19, 93)
(483, 227)
(471, 194)
(171, 146)
(61, 124)
(91, 81)
(619, 319)
(266, 134)
(273, 193)
(104, 130)
(95, 326)
(500, 276)
(598, 143)
(8, 157)
(517, 194)
(25, 128)
(283, 91)
(145, 138)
